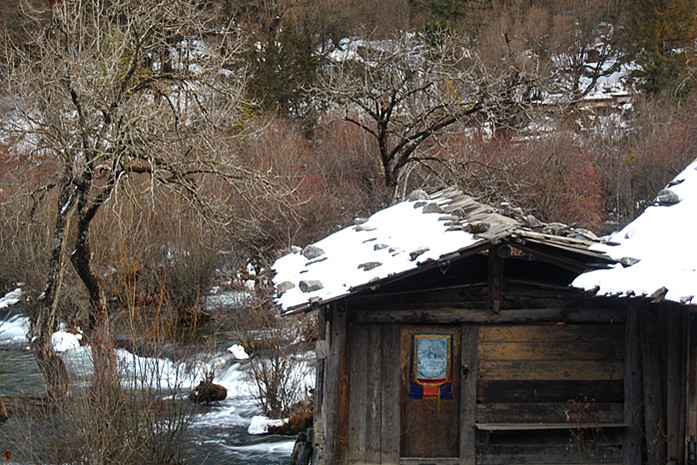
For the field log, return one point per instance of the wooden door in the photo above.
(430, 391)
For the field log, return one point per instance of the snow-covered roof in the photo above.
(658, 251)
(404, 238)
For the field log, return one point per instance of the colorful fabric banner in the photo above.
(431, 374)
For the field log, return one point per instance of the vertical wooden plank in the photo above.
(691, 391)
(673, 385)
(358, 401)
(336, 405)
(319, 445)
(684, 322)
(391, 375)
(654, 417)
(373, 399)
(633, 403)
(468, 393)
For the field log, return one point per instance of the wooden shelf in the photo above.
(541, 426)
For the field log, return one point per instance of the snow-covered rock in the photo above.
(238, 352)
(260, 424)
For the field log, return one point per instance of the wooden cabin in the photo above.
(453, 333)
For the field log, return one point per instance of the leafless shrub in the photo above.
(638, 157)
(277, 370)
(130, 411)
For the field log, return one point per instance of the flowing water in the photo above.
(219, 431)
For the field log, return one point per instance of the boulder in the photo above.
(207, 392)
(297, 423)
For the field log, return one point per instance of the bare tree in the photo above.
(399, 93)
(109, 90)
(405, 91)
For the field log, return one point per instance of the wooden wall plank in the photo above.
(546, 412)
(373, 397)
(533, 438)
(358, 392)
(674, 387)
(468, 393)
(633, 401)
(391, 374)
(552, 333)
(554, 350)
(550, 370)
(654, 416)
(499, 455)
(549, 390)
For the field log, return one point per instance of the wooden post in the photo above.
(675, 384)
(322, 351)
(654, 417)
(495, 278)
(633, 404)
(336, 405)
(391, 371)
(468, 393)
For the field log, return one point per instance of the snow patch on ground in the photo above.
(63, 340)
(10, 298)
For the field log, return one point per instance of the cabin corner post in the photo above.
(336, 402)
(633, 402)
(322, 351)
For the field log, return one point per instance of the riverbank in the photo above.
(218, 433)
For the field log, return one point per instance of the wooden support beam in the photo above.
(448, 315)
(495, 275)
(319, 438)
(336, 398)
(468, 393)
(391, 349)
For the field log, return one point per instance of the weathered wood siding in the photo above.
(550, 393)
(629, 370)
(374, 392)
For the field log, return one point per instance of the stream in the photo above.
(219, 431)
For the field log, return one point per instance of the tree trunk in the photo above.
(391, 186)
(43, 321)
(51, 367)
(99, 330)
